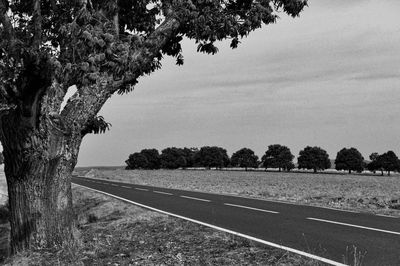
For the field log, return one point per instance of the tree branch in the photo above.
(149, 49)
(37, 24)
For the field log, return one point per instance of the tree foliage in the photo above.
(313, 158)
(278, 156)
(211, 157)
(172, 158)
(387, 161)
(136, 161)
(350, 160)
(244, 157)
(145, 159)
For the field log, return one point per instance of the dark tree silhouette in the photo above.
(313, 158)
(278, 156)
(189, 154)
(136, 161)
(244, 158)
(153, 158)
(350, 160)
(100, 47)
(375, 164)
(211, 157)
(172, 158)
(389, 162)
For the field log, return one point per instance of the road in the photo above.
(325, 234)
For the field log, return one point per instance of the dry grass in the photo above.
(375, 194)
(112, 232)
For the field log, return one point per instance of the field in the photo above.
(367, 193)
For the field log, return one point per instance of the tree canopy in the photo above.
(145, 159)
(313, 158)
(244, 157)
(211, 157)
(278, 156)
(172, 158)
(350, 160)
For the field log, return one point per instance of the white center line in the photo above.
(114, 185)
(357, 226)
(125, 187)
(141, 189)
(250, 208)
(161, 192)
(187, 197)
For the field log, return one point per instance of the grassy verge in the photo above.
(374, 194)
(111, 232)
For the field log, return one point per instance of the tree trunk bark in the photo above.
(38, 168)
(349, 171)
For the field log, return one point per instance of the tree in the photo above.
(172, 158)
(153, 158)
(211, 157)
(278, 156)
(375, 163)
(136, 161)
(313, 158)
(244, 158)
(350, 160)
(189, 154)
(389, 162)
(100, 48)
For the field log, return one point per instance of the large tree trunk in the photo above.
(38, 167)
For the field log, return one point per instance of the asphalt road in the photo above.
(327, 233)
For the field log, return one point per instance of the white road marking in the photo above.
(193, 198)
(388, 216)
(250, 208)
(302, 253)
(353, 225)
(141, 189)
(161, 192)
(114, 185)
(125, 187)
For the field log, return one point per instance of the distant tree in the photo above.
(136, 161)
(375, 164)
(278, 156)
(389, 162)
(189, 154)
(313, 158)
(211, 157)
(153, 158)
(172, 158)
(350, 160)
(244, 158)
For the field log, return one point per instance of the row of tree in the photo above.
(277, 156)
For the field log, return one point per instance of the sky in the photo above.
(329, 78)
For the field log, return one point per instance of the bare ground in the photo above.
(366, 193)
(111, 232)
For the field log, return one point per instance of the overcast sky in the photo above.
(329, 78)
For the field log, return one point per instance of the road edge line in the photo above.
(302, 253)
